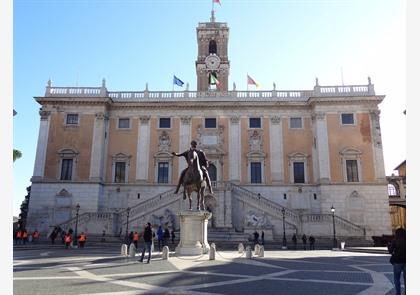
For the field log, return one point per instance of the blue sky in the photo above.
(133, 42)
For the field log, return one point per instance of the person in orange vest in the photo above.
(18, 237)
(35, 236)
(82, 240)
(67, 240)
(136, 238)
(24, 236)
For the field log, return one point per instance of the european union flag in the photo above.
(178, 81)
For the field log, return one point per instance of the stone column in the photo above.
(41, 149)
(228, 206)
(276, 150)
(184, 141)
(143, 144)
(98, 148)
(322, 153)
(377, 145)
(234, 149)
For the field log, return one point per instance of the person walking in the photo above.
(35, 236)
(18, 237)
(397, 251)
(159, 234)
(262, 237)
(166, 236)
(24, 236)
(256, 236)
(67, 240)
(147, 236)
(311, 242)
(173, 236)
(82, 240)
(294, 239)
(136, 237)
(304, 241)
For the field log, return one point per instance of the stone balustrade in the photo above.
(197, 96)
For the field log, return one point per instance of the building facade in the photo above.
(274, 155)
(397, 197)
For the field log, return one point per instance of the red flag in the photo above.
(218, 2)
(251, 81)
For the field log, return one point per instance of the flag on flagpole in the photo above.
(218, 2)
(252, 81)
(178, 81)
(213, 80)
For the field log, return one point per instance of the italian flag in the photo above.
(251, 81)
(218, 2)
(213, 80)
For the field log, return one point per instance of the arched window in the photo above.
(212, 47)
(213, 172)
(392, 190)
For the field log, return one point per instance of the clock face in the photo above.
(212, 62)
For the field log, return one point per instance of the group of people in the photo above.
(67, 237)
(304, 242)
(163, 237)
(257, 239)
(22, 236)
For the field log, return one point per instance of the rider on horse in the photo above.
(203, 164)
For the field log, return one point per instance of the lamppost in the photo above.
(126, 230)
(333, 218)
(77, 221)
(283, 211)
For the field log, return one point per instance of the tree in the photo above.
(16, 155)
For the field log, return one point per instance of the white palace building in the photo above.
(275, 155)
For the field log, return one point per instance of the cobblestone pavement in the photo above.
(99, 270)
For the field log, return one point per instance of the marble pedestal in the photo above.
(193, 233)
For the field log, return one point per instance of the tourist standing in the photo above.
(262, 238)
(173, 236)
(304, 241)
(256, 236)
(82, 240)
(311, 242)
(160, 237)
(147, 236)
(136, 238)
(166, 236)
(294, 239)
(67, 240)
(397, 251)
(35, 236)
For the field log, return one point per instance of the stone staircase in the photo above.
(261, 203)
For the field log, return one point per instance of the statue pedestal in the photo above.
(193, 233)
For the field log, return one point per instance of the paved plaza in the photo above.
(45, 269)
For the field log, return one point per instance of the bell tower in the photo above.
(212, 65)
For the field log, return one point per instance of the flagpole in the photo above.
(247, 82)
(173, 84)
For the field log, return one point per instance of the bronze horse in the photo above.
(194, 180)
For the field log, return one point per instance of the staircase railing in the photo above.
(146, 207)
(84, 218)
(266, 204)
(345, 224)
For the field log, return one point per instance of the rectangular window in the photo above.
(123, 123)
(254, 122)
(164, 122)
(347, 119)
(296, 123)
(352, 173)
(66, 169)
(210, 123)
(256, 172)
(163, 172)
(299, 172)
(119, 172)
(72, 119)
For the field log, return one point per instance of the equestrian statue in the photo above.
(195, 177)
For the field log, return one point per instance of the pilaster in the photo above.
(276, 150)
(143, 145)
(98, 148)
(234, 149)
(321, 147)
(41, 150)
(184, 140)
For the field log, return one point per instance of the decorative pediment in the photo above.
(350, 152)
(68, 153)
(297, 156)
(121, 157)
(354, 194)
(63, 193)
